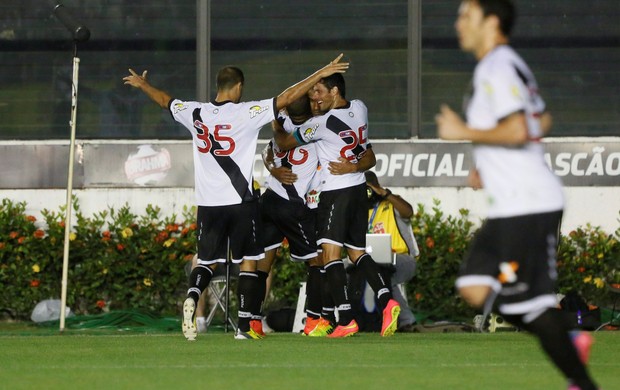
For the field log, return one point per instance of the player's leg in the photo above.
(532, 246)
(357, 215)
(210, 221)
(246, 246)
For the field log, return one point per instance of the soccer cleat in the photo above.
(345, 330)
(322, 328)
(311, 323)
(257, 327)
(582, 342)
(189, 319)
(249, 335)
(390, 318)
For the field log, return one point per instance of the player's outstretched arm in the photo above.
(293, 92)
(158, 96)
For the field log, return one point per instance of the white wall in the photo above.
(598, 206)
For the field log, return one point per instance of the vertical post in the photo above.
(203, 49)
(414, 68)
(65, 256)
(227, 287)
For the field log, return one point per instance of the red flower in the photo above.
(172, 227)
(31, 218)
(161, 236)
(39, 233)
(184, 231)
(35, 283)
(105, 239)
(106, 234)
(13, 234)
(101, 303)
(430, 243)
(61, 224)
(581, 269)
(21, 240)
(193, 226)
(2, 245)
(119, 247)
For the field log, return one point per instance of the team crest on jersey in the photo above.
(309, 132)
(255, 110)
(178, 107)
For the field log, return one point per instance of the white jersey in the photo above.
(341, 132)
(224, 145)
(302, 160)
(516, 178)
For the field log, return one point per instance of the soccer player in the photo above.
(224, 134)
(513, 254)
(342, 143)
(288, 207)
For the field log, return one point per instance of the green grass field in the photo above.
(45, 359)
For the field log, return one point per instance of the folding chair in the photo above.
(219, 287)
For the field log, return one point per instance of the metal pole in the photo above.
(227, 287)
(414, 54)
(65, 257)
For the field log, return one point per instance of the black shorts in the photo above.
(238, 223)
(291, 219)
(343, 217)
(515, 256)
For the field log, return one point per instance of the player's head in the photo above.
(299, 110)
(329, 92)
(479, 19)
(230, 79)
(373, 197)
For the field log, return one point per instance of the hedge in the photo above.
(121, 261)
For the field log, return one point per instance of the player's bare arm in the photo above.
(295, 91)
(546, 122)
(283, 174)
(284, 140)
(512, 130)
(139, 81)
(344, 166)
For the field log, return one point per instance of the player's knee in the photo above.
(475, 296)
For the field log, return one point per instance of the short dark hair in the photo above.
(335, 80)
(503, 9)
(300, 108)
(228, 77)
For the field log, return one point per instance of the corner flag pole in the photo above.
(80, 33)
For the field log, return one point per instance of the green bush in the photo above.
(121, 261)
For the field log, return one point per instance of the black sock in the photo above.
(198, 280)
(327, 302)
(337, 279)
(552, 332)
(313, 292)
(257, 311)
(247, 295)
(371, 272)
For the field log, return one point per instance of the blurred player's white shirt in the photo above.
(516, 178)
(302, 160)
(341, 132)
(224, 145)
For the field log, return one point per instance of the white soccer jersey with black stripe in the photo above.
(302, 160)
(516, 178)
(224, 145)
(341, 132)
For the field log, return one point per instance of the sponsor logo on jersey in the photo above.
(178, 107)
(255, 110)
(309, 132)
